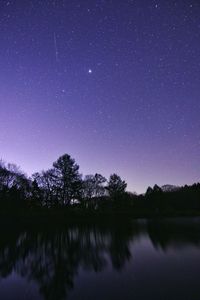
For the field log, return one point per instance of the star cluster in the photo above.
(116, 84)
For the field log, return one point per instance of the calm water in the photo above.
(141, 260)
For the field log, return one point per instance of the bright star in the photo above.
(90, 71)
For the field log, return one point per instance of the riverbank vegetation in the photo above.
(62, 190)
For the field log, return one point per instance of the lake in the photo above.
(144, 259)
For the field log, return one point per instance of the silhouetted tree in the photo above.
(93, 189)
(14, 186)
(99, 185)
(36, 193)
(149, 191)
(116, 186)
(67, 179)
(45, 187)
(157, 189)
(88, 187)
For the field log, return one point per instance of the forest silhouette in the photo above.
(62, 189)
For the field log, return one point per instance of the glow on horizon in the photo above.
(117, 91)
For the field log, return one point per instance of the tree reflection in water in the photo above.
(53, 258)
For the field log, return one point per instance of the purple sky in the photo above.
(115, 84)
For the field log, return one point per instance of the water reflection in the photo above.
(53, 258)
(174, 233)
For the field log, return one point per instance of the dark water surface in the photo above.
(137, 260)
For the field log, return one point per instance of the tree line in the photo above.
(63, 186)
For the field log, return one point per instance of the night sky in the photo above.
(113, 83)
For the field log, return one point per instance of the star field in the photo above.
(116, 84)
